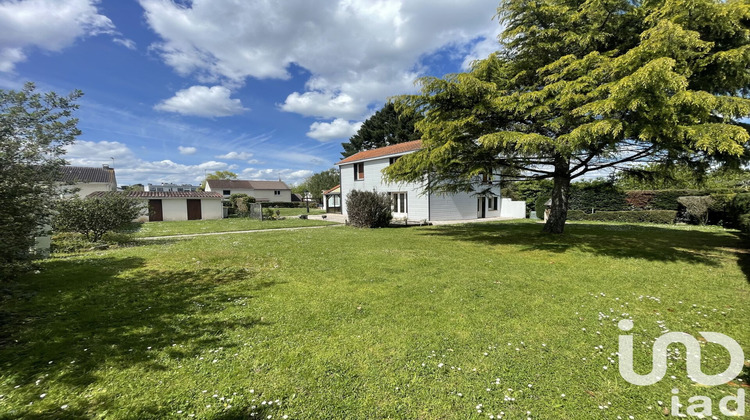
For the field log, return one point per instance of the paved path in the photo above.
(190, 235)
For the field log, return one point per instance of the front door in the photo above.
(155, 213)
(481, 207)
(194, 209)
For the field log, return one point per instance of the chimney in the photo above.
(105, 166)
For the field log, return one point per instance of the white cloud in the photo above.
(202, 101)
(131, 169)
(125, 42)
(336, 129)
(290, 176)
(50, 25)
(187, 150)
(236, 156)
(359, 52)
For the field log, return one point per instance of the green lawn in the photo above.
(298, 211)
(152, 229)
(429, 323)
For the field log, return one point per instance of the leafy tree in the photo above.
(582, 86)
(34, 129)
(319, 182)
(95, 216)
(134, 187)
(384, 128)
(217, 175)
(369, 209)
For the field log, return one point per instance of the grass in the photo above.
(155, 229)
(287, 212)
(425, 322)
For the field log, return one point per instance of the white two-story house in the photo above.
(363, 171)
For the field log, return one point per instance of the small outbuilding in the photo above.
(173, 205)
(332, 200)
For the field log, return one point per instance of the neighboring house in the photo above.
(262, 191)
(363, 171)
(332, 200)
(171, 206)
(166, 187)
(86, 180)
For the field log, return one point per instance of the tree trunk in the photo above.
(560, 193)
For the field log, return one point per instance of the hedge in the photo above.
(643, 216)
(596, 196)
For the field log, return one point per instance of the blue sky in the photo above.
(175, 89)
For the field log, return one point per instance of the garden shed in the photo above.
(173, 205)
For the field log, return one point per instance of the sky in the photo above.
(175, 89)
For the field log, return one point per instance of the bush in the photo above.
(718, 213)
(94, 216)
(368, 209)
(268, 214)
(739, 207)
(697, 207)
(69, 242)
(117, 238)
(743, 223)
(643, 216)
(668, 199)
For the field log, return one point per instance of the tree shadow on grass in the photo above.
(79, 316)
(652, 243)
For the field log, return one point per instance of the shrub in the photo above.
(368, 209)
(739, 207)
(718, 213)
(644, 216)
(697, 208)
(69, 242)
(268, 214)
(743, 223)
(117, 238)
(94, 216)
(667, 199)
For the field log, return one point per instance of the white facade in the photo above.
(410, 201)
(364, 172)
(83, 189)
(175, 209)
(282, 194)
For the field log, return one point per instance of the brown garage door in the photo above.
(155, 213)
(194, 209)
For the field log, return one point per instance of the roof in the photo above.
(395, 149)
(157, 194)
(334, 190)
(86, 174)
(230, 184)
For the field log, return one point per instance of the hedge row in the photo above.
(644, 216)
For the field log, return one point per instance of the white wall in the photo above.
(416, 202)
(514, 209)
(459, 206)
(211, 209)
(285, 197)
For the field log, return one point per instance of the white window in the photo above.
(359, 171)
(399, 202)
